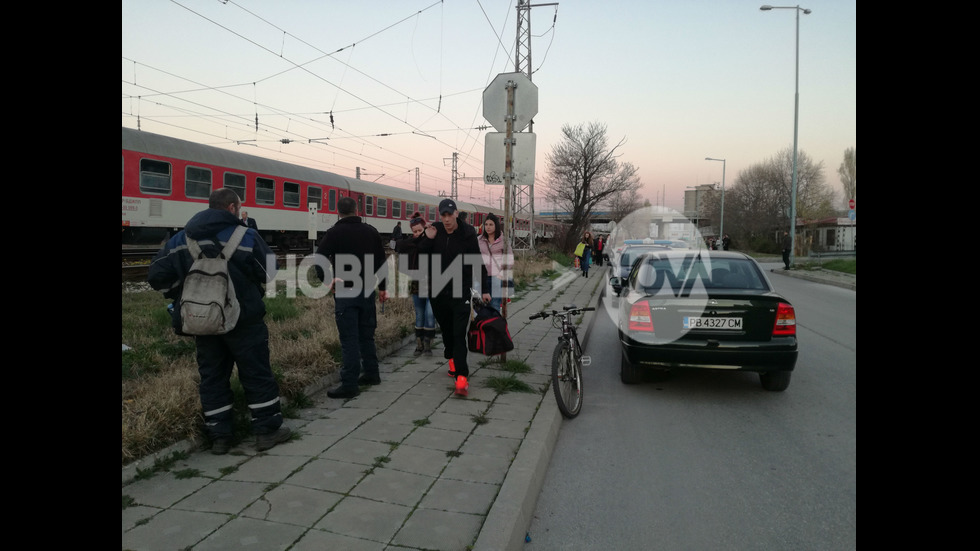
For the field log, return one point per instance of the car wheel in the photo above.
(775, 380)
(629, 373)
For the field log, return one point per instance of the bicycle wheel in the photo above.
(566, 380)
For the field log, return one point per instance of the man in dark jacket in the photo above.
(787, 246)
(454, 253)
(247, 345)
(356, 254)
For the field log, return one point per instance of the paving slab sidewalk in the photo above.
(405, 465)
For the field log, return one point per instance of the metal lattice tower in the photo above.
(452, 190)
(523, 196)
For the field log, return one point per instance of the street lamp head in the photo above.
(767, 7)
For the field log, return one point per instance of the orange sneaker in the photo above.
(452, 368)
(462, 386)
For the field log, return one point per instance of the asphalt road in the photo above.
(710, 460)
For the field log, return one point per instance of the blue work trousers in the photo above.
(246, 346)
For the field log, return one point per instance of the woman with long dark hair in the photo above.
(425, 321)
(587, 253)
(499, 261)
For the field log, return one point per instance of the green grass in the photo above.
(845, 265)
(561, 258)
(507, 384)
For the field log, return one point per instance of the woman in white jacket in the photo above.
(499, 261)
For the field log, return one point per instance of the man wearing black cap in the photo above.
(454, 253)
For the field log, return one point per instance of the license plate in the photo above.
(729, 324)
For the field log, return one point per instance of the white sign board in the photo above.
(525, 101)
(522, 158)
(312, 227)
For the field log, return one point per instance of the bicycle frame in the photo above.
(567, 360)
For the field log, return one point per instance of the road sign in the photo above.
(852, 215)
(311, 227)
(525, 101)
(522, 158)
(850, 204)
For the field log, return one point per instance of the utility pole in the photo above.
(452, 192)
(523, 196)
(416, 179)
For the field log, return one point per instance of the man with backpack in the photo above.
(230, 330)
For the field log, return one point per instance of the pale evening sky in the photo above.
(678, 80)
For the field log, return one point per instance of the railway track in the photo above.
(136, 262)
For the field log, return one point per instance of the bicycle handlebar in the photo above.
(568, 311)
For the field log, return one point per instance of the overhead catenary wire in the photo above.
(261, 127)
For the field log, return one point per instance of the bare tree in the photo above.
(848, 174)
(583, 172)
(623, 203)
(757, 203)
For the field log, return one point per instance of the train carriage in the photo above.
(165, 181)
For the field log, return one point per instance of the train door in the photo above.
(359, 197)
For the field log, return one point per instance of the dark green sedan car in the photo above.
(704, 309)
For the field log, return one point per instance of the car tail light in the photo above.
(785, 321)
(640, 318)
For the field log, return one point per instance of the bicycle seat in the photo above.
(569, 307)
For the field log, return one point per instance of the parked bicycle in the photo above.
(567, 360)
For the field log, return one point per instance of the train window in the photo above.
(360, 205)
(237, 183)
(315, 195)
(409, 209)
(382, 207)
(332, 200)
(432, 213)
(290, 194)
(265, 191)
(369, 209)
(155, 177)
(396, 209)
(197, 182)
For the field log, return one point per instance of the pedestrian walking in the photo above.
(599, 245)
(354, 247)
(586, 253)
(726, 242)
(425, 321)
(247, 344)
(787, 246)
(447, 242)
(498, 261)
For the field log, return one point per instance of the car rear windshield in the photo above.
(629, 255)
(691, 271)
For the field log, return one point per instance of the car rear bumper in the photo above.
(780, 355)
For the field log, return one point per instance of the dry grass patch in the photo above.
(160, 404)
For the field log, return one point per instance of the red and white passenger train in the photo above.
(165, 181)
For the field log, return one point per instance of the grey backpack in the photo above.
(208, 303)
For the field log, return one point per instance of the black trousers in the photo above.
(453, 315)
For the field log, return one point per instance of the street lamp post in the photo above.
(724, 163)
(796, 126)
